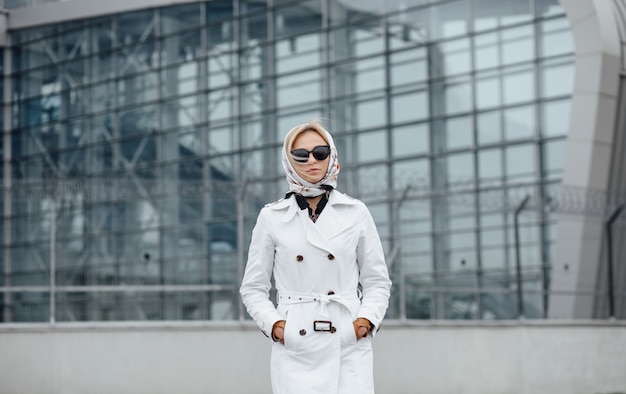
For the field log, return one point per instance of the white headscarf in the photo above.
(296, 183)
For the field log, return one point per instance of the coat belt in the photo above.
(324, 299)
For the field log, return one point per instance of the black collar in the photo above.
(303, 204)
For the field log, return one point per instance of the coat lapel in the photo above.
(327, 226)
(329, 223)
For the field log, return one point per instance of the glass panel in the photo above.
(518, 45)
(520, 163)
(410, 140)
(218, 10)
(458, 96)
(368, 74)
(555, 38)
(555, 118)
(487, 51)
(554, 158)
(220, 139)
(138, 121)
(489, 14)
(184, 47)
(139, 88)
(287, 120)
(43, 81)
(221, 104)
(30, 307)
(180, 17)
(557, 78)
(137, 58)
(519, 123)
(519, 85)
(252, 98)
(380, 213)
(299, 88)
(461, 212)
(100, 43)
(298, 52)
(493, 257)
(75, 73)
(412, 173)
(548, 7)
(370, 180)
(223, 167)
(447, 20)
(101, 96)
(252, 28)
(415, 216)
(451, 57)
(339, 47)
(489, 127)
(408, 27)
(371, 146)
(134, 27)
(219, 69)
(32, 55)
(408, 67)
(367, 40)
(341, 12)
(297, 19)
(459, 132)
(488, 90)
(251, 62)
(461, 240)
(253, 134)
(490, 168)
(370, 113)
(460, 170)
(409, 107)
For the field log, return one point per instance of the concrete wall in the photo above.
(445, 357)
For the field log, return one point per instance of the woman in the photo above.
(319, 244)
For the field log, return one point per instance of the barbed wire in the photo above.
(551, 198)
(102, 190)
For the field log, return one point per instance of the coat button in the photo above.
(299, 258)
(303, 332)
(331, 292)
(333, 330)
(331, 256)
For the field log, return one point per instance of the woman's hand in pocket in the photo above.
(362, 328)
(278, 332)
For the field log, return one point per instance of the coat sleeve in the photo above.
(256, 283)
(374, 277)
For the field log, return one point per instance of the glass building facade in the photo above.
(142, 145)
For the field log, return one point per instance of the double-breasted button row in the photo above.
(300, 258)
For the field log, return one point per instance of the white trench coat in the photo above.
(317, 268)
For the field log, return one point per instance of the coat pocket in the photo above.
(293, 337)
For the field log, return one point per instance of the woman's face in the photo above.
(312, 170)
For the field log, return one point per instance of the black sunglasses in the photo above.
(320, 152)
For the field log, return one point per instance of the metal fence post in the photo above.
(609, 240)
(518, 263)
(240, 242)
(53, 232)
